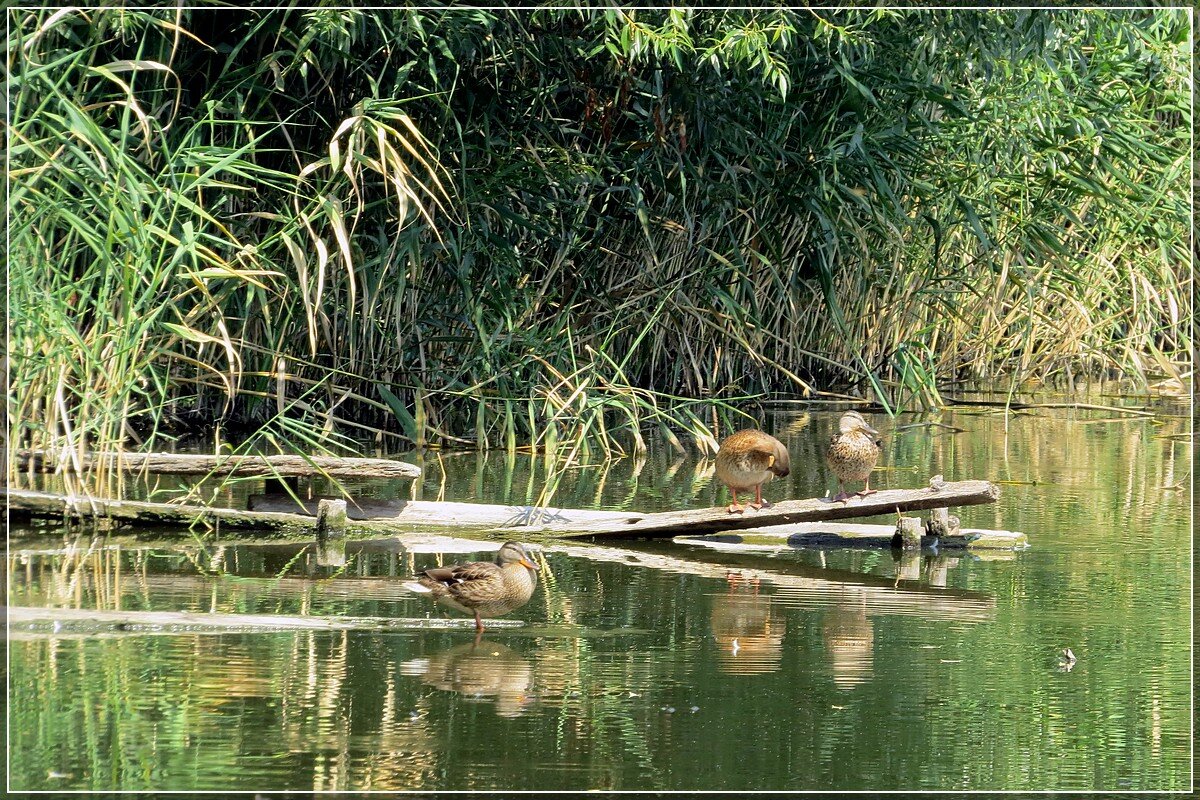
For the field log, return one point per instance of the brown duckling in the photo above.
(852, 454)
(748, 459)
(482, 588)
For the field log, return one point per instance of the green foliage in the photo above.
(534, 227)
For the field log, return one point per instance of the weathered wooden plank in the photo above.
(442, 513)
(853, 534)
(85, 620)
(401, 516)
(198, 464)
(366, 516)
(144, 513)
(713, 520)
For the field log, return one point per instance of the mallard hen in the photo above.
(853, 452)
(748, 459)
(482, 588)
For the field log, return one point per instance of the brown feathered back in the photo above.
(742, 461)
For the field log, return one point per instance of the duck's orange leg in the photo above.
(478, 623)
(841, 496)
(867, 488)
(735, 507)
(759, 503)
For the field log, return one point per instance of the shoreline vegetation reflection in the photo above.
(646, 665)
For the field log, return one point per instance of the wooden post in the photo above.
(941, 523)
(331, 533)
(908, 534)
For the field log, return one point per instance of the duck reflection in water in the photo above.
(749, 638)
(850, 640)
(480, 671)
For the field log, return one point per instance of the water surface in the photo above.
(656, 665)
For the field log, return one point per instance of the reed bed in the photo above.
(291, 230)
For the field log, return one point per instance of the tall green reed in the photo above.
(557, 229)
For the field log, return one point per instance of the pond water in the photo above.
(657, 665)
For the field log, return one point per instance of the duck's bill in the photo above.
(525, 562)
(871, 431)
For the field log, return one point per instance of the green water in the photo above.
(624, 673)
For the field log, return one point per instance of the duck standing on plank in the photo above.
(853, 452)
(482, 588)
(748, 459)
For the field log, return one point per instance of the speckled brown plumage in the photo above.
(853, 453)
(748, 459)
(484, 588)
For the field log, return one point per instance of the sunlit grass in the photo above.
(559, 230)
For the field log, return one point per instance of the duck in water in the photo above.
(482, 588)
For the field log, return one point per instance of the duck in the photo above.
(748, 459)
(482, 588)
(853, 452)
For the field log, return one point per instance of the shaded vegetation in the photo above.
(558, 228)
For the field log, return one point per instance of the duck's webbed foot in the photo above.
(735, 507)
(759, 503)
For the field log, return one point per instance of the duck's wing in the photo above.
(441, 574)
(460, 573)
(476, 581)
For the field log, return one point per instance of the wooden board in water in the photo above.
(852, 534)
(375, 518)
(199, 464)
(694, 522)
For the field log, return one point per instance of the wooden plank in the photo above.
(152, 514)
(196, 464)
(86, 620)
(441, 513)
(402, 516)
(371, 517)
(713, 520)
(852, 534)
